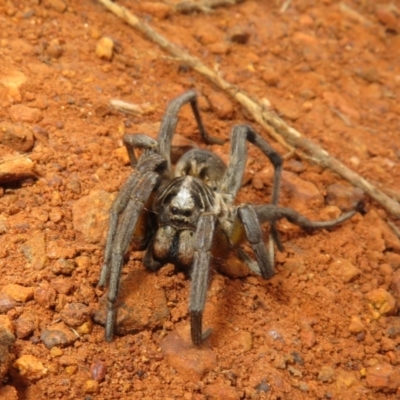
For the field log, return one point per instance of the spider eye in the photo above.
(174, 210)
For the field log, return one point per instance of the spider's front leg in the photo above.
(200, 276)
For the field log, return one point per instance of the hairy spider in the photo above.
(187, 215)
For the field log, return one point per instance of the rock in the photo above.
(219, 391)
(383, 377)
(301, 190)
(155, 9)
(345, 197)
(57, 5)
(6, 303)
(7, 339)
(58, 335)
(16, 167)
(90, 215)
(239, 34)
(344, 270)
(18, 293)
(221, 105)
(98, 370)
(245, 340)
(75, 314)
(271, 77)
(307, 337)
(56, 352)
(30, 367)
(345, 380)
(381, 302)
(34, 250)
(326, 374)
(356, 325)
(105, 48)
(16, 136)
(63, 267)
(24, 327)
(62, 285)
(22, 113)
(140, 305)
(8, 393)
(190, 361)
(387, 18)
(91, 387)
(262, 387)
(55, 49)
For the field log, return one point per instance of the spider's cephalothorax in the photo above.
(177, 215)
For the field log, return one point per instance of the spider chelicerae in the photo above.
(186, 215)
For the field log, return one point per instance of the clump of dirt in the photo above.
(326, 325)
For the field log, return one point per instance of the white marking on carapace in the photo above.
(183, 199)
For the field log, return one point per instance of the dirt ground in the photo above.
(326, 326)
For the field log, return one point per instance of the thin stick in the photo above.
(203, 6)
(276, 127)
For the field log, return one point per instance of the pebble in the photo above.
(219, 391)
(356, 325)
(344, 270)
(155, 9)
(23, 113)
(30, 367)
(57, 5)
(271, 77)
(387, 18)
(6, 303)
(91, 387)
(75, 314)
(381, 302)
(105, 48)
(8, 392)
(301, 190)
(191, 362)
(63, 267)
(62, 285)
(13, 168)
(18, 293)
(91, 214)
(245, 340)
(58, 335)
(382, 376)
(221, 105)
(98, 370)
(345, 197)
(7, 339)
(345, 379)
(307, 337)
(140, 305)
(326, 373)
(239, 34)
(56, 352)
(24, 327)
(34, 249)
(16, 136)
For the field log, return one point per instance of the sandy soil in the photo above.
(326, 326)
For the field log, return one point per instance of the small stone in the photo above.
(386, 17)
(30, 367)
(382, 376)
(295, 372)
(301, 190)
(263, 387)
(22, 113)
(137, 308)
(63, 267)
(7, 339)
(156, 9)
(219, 391)
(14, 168)
(271, 77)
(8, 392)
(85, 329)
(104, 48)
(344, 270)
(34, 250)
(381, 302)
(6, 303)
(221, 105)
(307, 337)
(345, 380)
(57, 5)
(356, 325)
(62, 285)
(90, 215)
(245, 340)
(18, 293)
(56, 352)
(303, 386)
(75, 314)
(16, 136)
(58, 335)
(71, 369)
(326, 373)
(91, 387)
(98, 370)
(239, 34)
(55, 49)
(345, 197)
(24, 327)
(257, 182)
(190, 361)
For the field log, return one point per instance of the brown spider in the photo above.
(187, 215)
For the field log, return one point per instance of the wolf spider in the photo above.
(186, 216)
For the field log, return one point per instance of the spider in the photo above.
(186, 216)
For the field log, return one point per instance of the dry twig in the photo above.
(203, 6)
(275, 126)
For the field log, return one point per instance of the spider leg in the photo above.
(270, 212)
(200, 276)
(152, 162)
(123, 236)
(138, 141)
(254, 235)
(170, 119)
